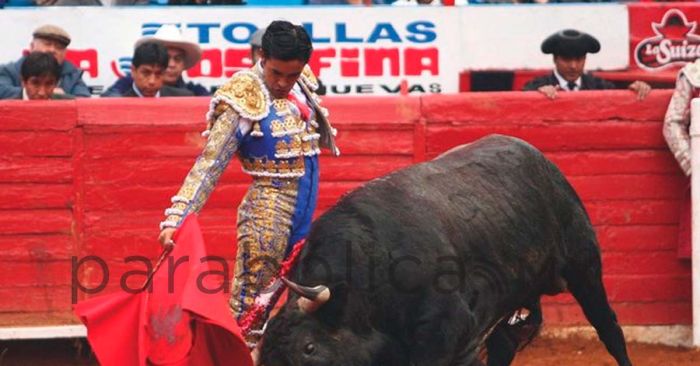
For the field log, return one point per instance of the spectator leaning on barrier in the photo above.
(148, 69)
(182, 55)
(569, 48)
(53, 40)
(40, 73)
(416, 2)
(206, 2)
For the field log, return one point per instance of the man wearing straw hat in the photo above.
(182, 56)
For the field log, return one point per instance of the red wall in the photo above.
(92, 177)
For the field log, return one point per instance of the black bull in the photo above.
(426, 265)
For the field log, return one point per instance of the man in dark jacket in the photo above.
(148, 69)
(182, 55)
(50, 39)
(569, 48)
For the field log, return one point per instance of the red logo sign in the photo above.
(675, 42)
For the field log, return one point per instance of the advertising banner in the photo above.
(357, 51)
(663, 37)
(508, 37)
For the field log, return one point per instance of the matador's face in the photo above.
(280, 75)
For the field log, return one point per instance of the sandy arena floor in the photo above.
(542, 352)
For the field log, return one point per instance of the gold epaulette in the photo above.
(245, 93)
(692, 72)
(308, 78)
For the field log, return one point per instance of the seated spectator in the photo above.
(54, 40)
(40, 73)
(569, 48)
(206, 2)
(148, 68)
(182, 55)
(350, 2)
(416, 2)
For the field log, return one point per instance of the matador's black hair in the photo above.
(285, 41)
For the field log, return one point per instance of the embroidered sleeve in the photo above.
(677, 123)
(202, 178)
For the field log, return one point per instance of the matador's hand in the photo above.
(166, 237)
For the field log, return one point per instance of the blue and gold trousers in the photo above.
(274, 214)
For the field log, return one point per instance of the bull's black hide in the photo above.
(426, 264)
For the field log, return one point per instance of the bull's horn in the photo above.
(311, 297)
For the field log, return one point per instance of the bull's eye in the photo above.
(309, 348)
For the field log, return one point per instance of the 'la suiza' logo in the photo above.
(675, 42)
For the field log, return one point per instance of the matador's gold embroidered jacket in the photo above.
(270, 137)
(677, 120)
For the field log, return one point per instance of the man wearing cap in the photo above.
(182, 55)
(50, 39)
(569, 48)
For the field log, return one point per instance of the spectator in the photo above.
(349, 2)
(416, 2)
(206, 2)
(256, 45)
(54, 40)
(40, 73)
(569, 48)
(68, 2)
(182, 55)
(148, 68)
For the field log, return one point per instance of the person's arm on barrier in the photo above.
(544, 85)
(641, 88)
(677, 123)
(80, 89)
(72, 81)
(9, 82)
(221, 144)
(121, 86)
(550, 91)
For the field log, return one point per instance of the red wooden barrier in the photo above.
(92, 177)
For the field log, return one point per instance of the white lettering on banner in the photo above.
(357, 51)
(675, 43)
